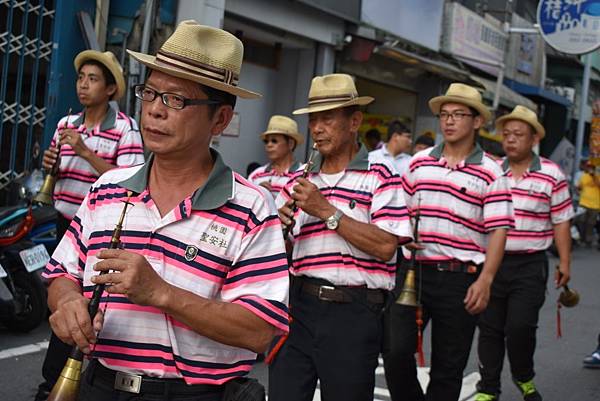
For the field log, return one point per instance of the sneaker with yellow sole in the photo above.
(529, 391)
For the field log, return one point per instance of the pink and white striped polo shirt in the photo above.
(277, 180)
(540, 199)
(117, 140)
(369, 193)
(458, 206)
(222, 243)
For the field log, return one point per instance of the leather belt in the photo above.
(453, 266)
(136, 384)
(330, 293)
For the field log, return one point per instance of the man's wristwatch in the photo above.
(333, 221)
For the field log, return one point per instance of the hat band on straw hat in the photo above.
(315, 101)
(195, 67)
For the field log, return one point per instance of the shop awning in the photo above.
(508, 97)
(541, 94)
(437, 66)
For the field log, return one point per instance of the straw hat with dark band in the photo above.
(463, 94)
(109, 60)
(283, 125)
(202, 54)
(524, 114)
(332, 91)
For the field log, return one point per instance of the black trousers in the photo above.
(92, 389)
(336, 343)
(451, 337)
(510, 320)
(57, 352)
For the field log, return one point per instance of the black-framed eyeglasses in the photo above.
(456, 115)
(172, 100)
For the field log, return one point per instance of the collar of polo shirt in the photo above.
(295, 166)
(215, 192)
(110, 120)
(535, 165)
(475, 157)
(360, 161)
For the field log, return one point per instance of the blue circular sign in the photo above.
(570, 26)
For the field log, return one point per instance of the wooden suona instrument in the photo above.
(307, 167)
(44, 195)
(67, 385)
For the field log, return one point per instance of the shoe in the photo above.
(529, 391)
(592, 361)
(485, 397)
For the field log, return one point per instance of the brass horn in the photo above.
(408, 295)
(568, 297)
(44, 195)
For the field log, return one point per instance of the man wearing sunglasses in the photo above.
(201, 284)
(465, 208)
(280, 138)
(86, 145)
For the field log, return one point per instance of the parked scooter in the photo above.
(22, 291)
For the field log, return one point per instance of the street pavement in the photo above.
(560, 376)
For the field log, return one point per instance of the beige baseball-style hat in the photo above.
(109, 60)
(332, 91)
(203, 54)
(463, 94)
(524, 114)
(283, 125)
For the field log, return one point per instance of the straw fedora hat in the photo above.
(109, 60)
(463, 94)
(283, 125)
(524, 114)
(332, 91)
(202, 54)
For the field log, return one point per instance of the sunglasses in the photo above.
(271, 140)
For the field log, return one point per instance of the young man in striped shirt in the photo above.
(91, 142)
(350, 219)
(280, 138)
(201, 284)
(543, 210)
(465, 208)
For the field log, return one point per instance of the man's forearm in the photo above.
(368, 238)
(223, 322)
(494, 254)
(562, 239)
(60, 290)
(98, 163)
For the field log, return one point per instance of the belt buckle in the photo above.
(324, 297)
(128, 382)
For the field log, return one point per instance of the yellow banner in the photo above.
(595, 135)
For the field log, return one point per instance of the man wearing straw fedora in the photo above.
(201, 284)
(91, 142)
(543, 210)
(280, 138)
(348, 219)
(465, 208)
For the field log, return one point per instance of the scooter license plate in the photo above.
(34, 258)
(2, 272)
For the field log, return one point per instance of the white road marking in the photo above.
(23, 350)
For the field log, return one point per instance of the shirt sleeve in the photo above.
(258, 279)
(498, 206)
(130, 150)
(561, 206)
(69, 257)
(388, 207)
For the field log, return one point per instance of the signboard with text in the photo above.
(570, 26)
(470, 37)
